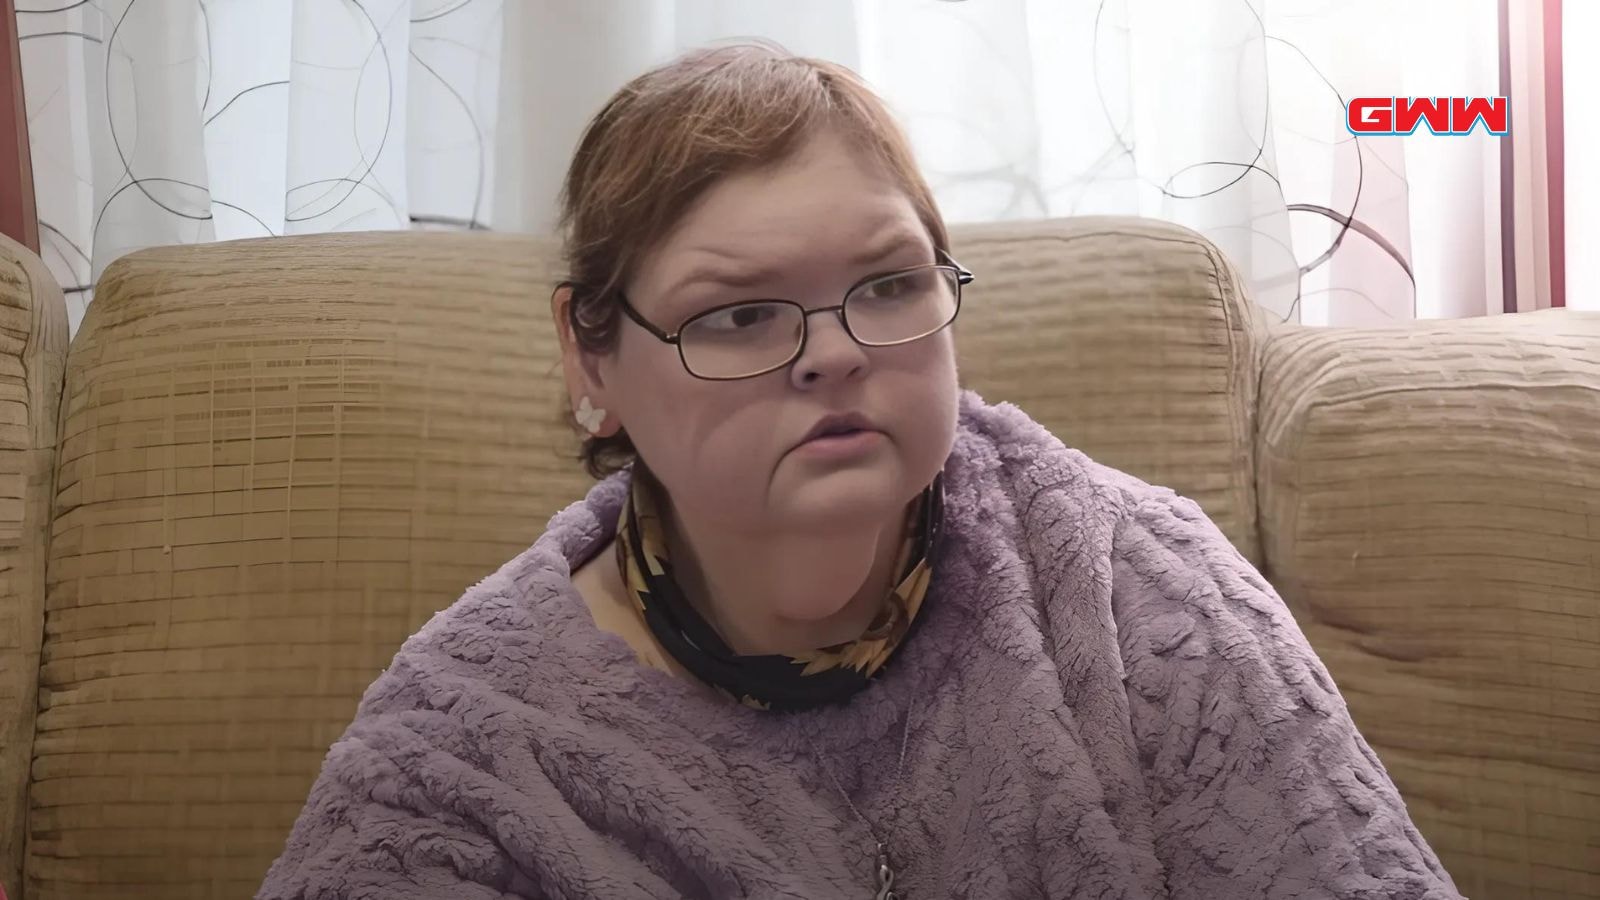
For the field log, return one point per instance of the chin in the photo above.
(811, 612)
(866, 493)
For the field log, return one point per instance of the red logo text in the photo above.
(1442, 115)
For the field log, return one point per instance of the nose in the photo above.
(830, 352)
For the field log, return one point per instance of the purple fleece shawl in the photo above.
(1106, 701)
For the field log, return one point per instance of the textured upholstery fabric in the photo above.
(1433, 500)
(1131, 340)
(279, 457)
(33, 352)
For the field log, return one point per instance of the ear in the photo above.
(581, 370)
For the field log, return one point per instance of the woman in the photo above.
(830, 627)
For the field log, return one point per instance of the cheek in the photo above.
(920, 379)
(713, 441)
(930, 395)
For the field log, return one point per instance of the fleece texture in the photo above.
(1105, 701)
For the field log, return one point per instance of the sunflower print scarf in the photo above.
(779, 682)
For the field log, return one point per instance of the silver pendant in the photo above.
(885, 876)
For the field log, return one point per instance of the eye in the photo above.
(895, 287)
(746, 317)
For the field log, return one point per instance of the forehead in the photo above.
(823, 202)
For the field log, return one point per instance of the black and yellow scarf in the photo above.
(829, 675)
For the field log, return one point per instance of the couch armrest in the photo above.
(33, 351)
(1430, 508)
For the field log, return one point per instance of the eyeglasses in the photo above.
(754, 337)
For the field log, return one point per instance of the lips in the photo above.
(846, 423)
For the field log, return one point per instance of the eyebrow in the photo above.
(887, 245)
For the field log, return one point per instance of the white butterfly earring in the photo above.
(590, 418)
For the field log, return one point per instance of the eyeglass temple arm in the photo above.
(634, 314)
(646, 324)
(963, 274)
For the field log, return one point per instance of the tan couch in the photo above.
(275, 459)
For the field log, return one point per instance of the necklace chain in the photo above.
(883, 871)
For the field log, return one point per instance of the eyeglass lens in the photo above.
(755, 337)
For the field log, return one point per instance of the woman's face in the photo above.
(733, 453)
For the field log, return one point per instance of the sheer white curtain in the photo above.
(1582, 32)
(163, 121)
(177, 121)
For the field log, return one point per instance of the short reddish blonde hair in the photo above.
(671, 133)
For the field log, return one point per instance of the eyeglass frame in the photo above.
(963, 277)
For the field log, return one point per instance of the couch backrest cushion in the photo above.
(1431, 511)
(1130, 339)
(33, 352)
(281, 456)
